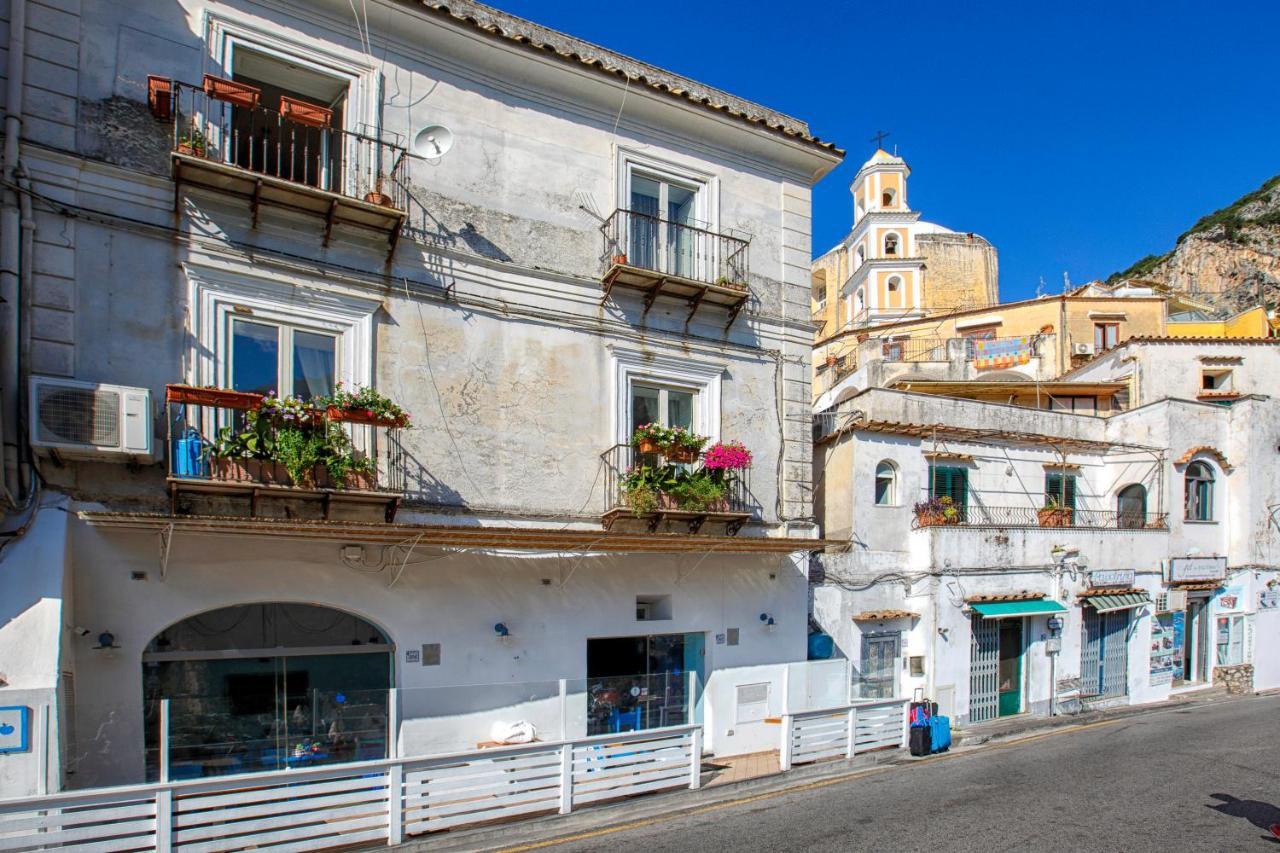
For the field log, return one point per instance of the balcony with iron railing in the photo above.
(286, 155)
(244, 446)
(935, 513)
(633, 496)
(661, 257)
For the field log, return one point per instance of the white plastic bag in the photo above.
(521, 731)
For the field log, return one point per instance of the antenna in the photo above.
(433, 142)
(1066, 282)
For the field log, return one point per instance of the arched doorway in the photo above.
(265, 687)
(1131, 507)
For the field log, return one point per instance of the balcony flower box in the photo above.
(357, 481)
(231, 470)
(302, 112)
(221, 398)
(936, 512)
(1055, 516)
(231, 91)
(365, 416)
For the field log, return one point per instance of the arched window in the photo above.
(888, 197)
(859, 301)
(862, 255)
(891, 244)
(1131, 507)
(895, 284)
(1199, 492)
(886, 484)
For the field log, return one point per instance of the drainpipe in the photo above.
(11, 259)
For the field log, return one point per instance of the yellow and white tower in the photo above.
(886, 271)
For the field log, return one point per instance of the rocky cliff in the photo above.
(1228, 258)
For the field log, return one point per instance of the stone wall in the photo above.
(1238, 679)
(960, 271)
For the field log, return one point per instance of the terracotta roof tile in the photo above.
(877, 615)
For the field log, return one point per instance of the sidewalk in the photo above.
(735, 786)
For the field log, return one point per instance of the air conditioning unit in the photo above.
(84, 420)
(1082, 349)
(1177, 599)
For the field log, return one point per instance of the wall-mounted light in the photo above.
(106, 640)
(502, 632)
(768, 621)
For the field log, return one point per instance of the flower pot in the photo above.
(268, 473)
(302, 112)
(682, 454)
(833, 360)
(364, 416)
(378, 198)
(930, 519)
(230, 470)
(361, 481)
(619, 259)
(1054, 517)
(221, 398)
(160, 97)
(190, 150)
(648, 445)
(231, 91)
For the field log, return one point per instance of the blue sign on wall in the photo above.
(15, 728)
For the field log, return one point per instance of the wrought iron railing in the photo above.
(200, 421)
(980, 515)
(649, 242)
(915, 349)
(259, 138)
(620, 459)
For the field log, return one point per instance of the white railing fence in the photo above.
(339, 805)
(842, 731)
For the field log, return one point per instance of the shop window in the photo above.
(1060, 489)
(1199, 492)
(1229, 640)
(948, 481)
(886, 484)
(1105, 336)
(1131, 507)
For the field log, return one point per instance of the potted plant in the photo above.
(222, 398)
(699, 491)
(377, 196)
(725, 459)
(618, 259)
(303, 112)
(832, 361)
(682, 445)
(1054, 514)
(231, 91)
(191, 142)
(364, 406)
(650, 438)
(936, 511)
(646, 488)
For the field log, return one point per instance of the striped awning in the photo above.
(1123, 601)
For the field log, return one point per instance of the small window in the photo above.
(891, 244)
(653, 607)
(886, 484)
(661, 404)
(277, 358)
(1131, 507)
(1229, 640)
(1215, 380)
(1105, 336)
(1060, 490)
(888, 198)
(1199, 492)
(895, 284)
(949, 481)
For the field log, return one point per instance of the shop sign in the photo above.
(1197, 569)
(1269, 599)
(1111, 577)
(1231, 598)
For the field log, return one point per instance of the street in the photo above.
(1203, 777)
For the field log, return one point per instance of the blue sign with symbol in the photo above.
(15, 728)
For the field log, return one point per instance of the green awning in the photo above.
(1026, 607)
(1123, 601)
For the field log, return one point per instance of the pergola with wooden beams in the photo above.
(1000, 391)
(977, 435)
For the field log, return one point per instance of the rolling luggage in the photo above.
(940, 733)
(921, 740)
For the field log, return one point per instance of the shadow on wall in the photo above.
(1261, 814)
(409, 476)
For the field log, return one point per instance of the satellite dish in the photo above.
(433, 142)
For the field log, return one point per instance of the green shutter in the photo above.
(950, 482)
(1061, 488)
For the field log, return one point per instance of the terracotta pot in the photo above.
(231, 91)
(930, 519)
(378, 198)
(221, 398)
(619, 259)
(648, 445)
(160, 97)
(1054, 517)
(682, 454)
(360, 481)
(364, 416)
(833, 360)
(268, 473)
(302, 112)
(190, 151)
(229, 470)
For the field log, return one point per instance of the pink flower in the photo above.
(727, 457)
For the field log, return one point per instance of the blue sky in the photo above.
(1076, 140)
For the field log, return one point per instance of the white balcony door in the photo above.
(666, 233)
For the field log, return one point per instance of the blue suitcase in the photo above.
(940, 729)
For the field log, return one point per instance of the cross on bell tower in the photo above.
(879, 138)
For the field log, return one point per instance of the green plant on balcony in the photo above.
(936, 511)
(699, 491)
(644, 487)
(192, 141)
(364, 405)
(650, 438)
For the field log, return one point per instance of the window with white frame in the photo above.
(672, 209)
(281, 358)
(668, 405)
(886, 484)
(1230, 640)
(667, 390)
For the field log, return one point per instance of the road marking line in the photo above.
(768, 795)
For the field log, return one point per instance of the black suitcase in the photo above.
(921, 740)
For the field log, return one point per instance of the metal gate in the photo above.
(1104, 660)
(984, 670)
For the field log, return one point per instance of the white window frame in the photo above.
(216, 296)
(630, 162)
(286, 330)
(1237, 637)
(893, 483)
(637, 366)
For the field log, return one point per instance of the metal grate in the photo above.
(1104, 660)
(78, 416)
(984, 670)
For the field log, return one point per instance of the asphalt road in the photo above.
(1203, 777)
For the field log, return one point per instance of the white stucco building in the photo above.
(1077, 560)
(529, 242)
